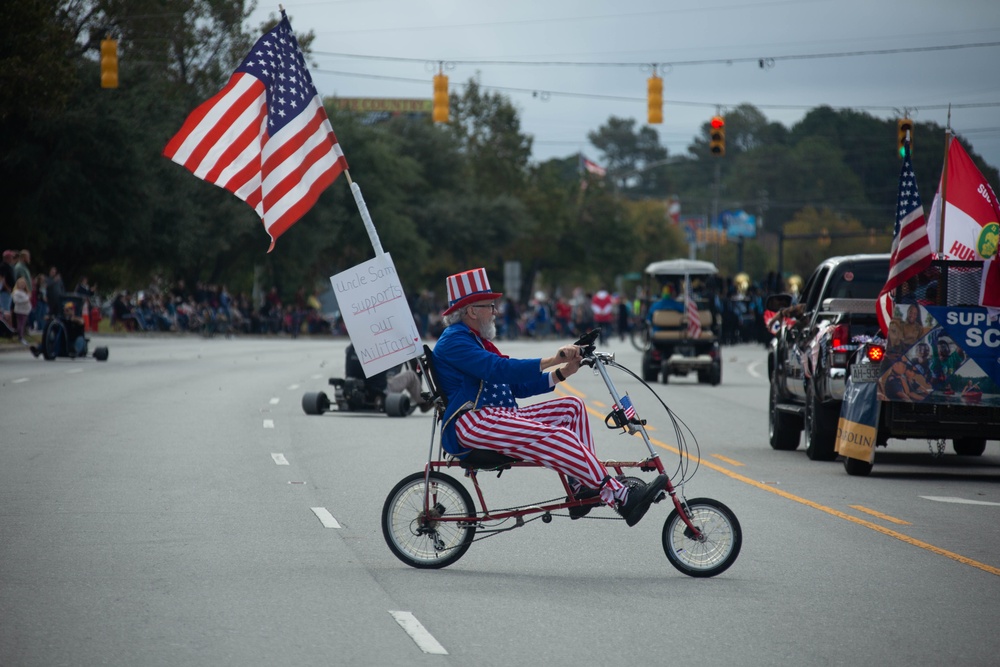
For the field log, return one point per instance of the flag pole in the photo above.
(944, 183)
(360, 201)
(365, 216)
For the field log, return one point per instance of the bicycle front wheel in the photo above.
(417, 536)
(714, 550)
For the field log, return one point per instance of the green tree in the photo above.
(489, 129)
(35, 73)
(631, 155)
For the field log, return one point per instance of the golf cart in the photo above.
(676, 346)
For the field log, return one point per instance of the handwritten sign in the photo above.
(377, 316)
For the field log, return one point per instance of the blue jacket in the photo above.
(469, 373)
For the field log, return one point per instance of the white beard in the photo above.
(489, 331)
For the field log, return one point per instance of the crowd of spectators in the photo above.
(208, 308)
(28, 298)
(738, 303)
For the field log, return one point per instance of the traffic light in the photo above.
(109, 63)
(904, 126)
(654, 86)
(440, 114)
(717, 136)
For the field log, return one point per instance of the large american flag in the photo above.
(911, 250)
(265, 136)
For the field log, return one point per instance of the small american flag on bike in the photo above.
(627, 407)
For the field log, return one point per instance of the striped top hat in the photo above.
(468, 287)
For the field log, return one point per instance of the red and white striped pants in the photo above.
(554, 433)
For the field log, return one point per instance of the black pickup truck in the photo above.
(809, 357)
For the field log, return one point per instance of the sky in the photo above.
(783, 56)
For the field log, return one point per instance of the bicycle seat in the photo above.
(487, 459)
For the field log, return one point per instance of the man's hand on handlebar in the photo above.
(571, 366)
(571, 355)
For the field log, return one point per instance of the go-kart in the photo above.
(356, 393)
(60, 331)
(675, 346)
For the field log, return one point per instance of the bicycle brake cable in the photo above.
(680, 426)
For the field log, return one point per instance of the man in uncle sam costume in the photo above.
(481, 386)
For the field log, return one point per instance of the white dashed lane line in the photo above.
(275, 400)
(325, 517)
(418, 633)
(20, 380)
(959, 501)
(268, 423)
(293, 387)
(279, 459)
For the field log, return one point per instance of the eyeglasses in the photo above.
(491, 306)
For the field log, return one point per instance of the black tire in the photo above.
(101, 353)
(784, 429)
(969, 446)
(665, 373)
(650, 369)
(421, 541)
(397, 405)
(54, 340)
(715, 375)
(820, 428)
(857, 467)
(718, 547)
(640, 337)
(315, 403)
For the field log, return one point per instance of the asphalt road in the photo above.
(175, 506)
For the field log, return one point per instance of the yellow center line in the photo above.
(885, 517)
(840, 515)
(816, 506)
(726, 459)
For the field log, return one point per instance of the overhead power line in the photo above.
(536, 92)
(761, 61)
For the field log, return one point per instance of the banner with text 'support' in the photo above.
(941, 355)
(377, 315)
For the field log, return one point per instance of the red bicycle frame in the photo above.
(633, 425)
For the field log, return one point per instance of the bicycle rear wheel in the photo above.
(416, 537)
(716, 549)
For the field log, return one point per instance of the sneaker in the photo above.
(639, 499)
(35, 351)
